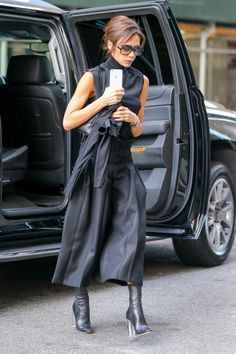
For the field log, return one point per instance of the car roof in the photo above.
(32, 4)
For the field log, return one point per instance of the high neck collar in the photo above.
(113, 64)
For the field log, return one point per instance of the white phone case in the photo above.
(116, 78)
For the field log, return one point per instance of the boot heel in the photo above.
(131, 329)
(73, 321)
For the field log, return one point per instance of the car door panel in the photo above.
(152, 152)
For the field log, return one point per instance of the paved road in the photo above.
(191, 310)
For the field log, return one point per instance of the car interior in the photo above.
(32, 105)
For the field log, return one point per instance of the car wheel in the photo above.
(217, 236)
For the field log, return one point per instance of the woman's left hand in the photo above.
(124, 114)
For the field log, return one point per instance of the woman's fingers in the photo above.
(113, 96)
(122, 114)
(121, 110)
(118, 95)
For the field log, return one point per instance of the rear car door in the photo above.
(172, 155)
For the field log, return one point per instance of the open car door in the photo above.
(172, 155)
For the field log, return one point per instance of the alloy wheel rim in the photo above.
(220, 216)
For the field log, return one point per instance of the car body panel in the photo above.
(33, 5)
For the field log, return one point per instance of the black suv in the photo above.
(189, 173)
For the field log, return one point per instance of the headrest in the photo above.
(28, 69)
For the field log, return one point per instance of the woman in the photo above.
(104, 229)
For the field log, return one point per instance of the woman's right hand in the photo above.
(111, 96)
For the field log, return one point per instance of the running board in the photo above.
(157, 232)
(29, 252)
(38, 251)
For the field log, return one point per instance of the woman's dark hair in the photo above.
(121, 27)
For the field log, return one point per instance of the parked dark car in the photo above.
(188, 170)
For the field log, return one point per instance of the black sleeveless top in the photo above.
(132, 84)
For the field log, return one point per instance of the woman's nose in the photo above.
(131, 54)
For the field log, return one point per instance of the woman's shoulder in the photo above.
(92, 73)
(145, 79)
(91, 70)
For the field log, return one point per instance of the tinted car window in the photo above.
(162, 50)
(22, 38)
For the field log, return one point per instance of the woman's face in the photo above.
(125, 60)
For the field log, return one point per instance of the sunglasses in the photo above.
(126, 49)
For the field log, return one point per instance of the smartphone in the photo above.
(116, 78)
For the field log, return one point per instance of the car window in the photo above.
(26, 38)
(22, 38)
(162, 50)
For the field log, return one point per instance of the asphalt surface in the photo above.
(191, 309)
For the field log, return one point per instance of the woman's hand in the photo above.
(124, 114)
(111, 96)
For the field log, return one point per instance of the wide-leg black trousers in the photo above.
(104, 228)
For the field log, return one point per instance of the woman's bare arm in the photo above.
(77, 113)
(136, 131)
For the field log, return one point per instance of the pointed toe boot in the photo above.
(137, 325)
(82, 312)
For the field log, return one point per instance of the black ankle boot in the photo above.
(81, 311)
(136, 322)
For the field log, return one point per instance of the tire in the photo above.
(217, 236)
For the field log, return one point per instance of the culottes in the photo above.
(104, 228)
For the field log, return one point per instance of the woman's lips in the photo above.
(129, 62)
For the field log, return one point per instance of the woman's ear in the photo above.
(109, 45)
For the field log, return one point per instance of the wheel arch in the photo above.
(224, 153)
